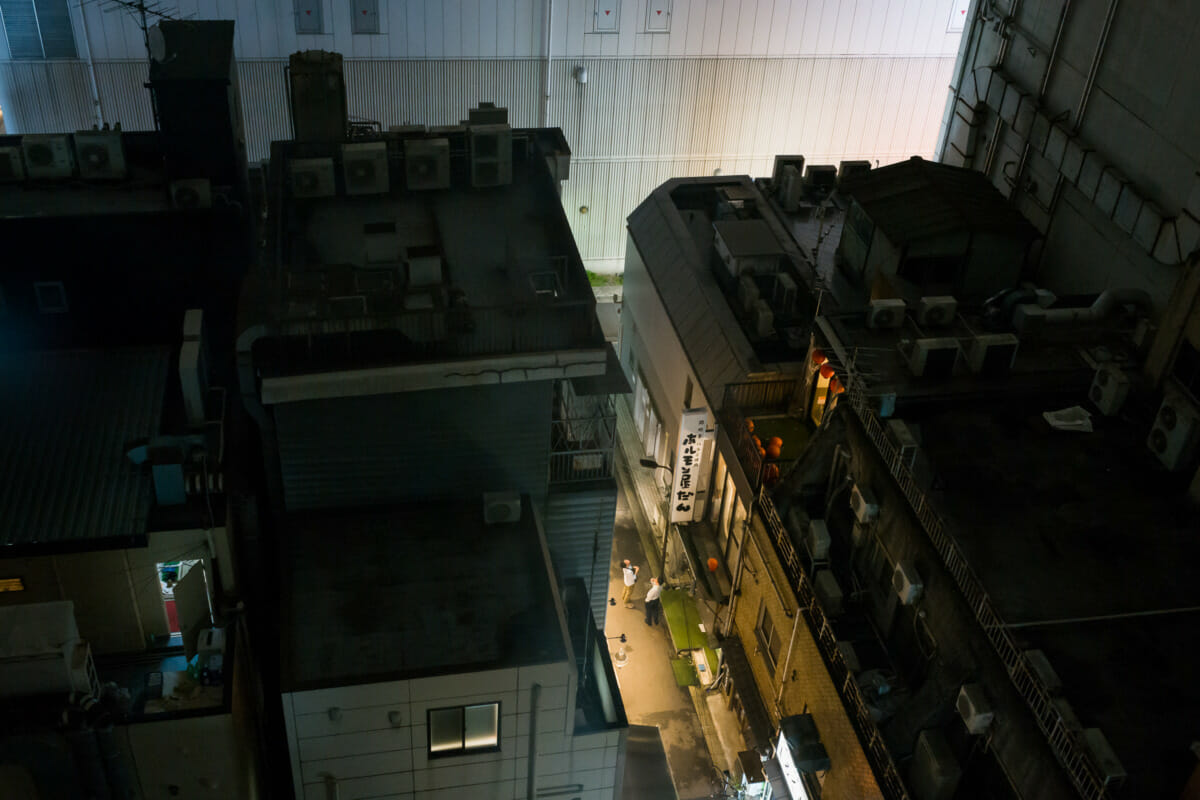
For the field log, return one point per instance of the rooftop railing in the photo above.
(1064, 740)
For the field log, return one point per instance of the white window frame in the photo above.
(492, 743)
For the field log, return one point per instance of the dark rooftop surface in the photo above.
(748, 237)
(65, 420)
(412, 590)
(1089, 550)
(917, 199)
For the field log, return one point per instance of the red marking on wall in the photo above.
(607, 12)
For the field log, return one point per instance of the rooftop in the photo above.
(673, 230)
(66, 420)
(388, 594)
(1087, 549)
(433, 274)
(917, 199)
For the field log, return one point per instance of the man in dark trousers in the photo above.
(653, 603)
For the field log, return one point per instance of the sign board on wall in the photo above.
(689, 459)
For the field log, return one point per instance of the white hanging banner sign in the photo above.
(693, 434)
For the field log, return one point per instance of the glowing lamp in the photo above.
(819, 357)
(713, 564)
(826, 370)
(773, 451)
(775, 442)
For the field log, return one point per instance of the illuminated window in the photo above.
(464, 729)
(12, 585)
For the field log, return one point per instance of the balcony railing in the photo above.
(886, 774)
(1086, 775)
(581, 448)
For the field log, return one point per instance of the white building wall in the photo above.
(369, 754)
(732, 84)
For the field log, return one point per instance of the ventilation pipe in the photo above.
(545, 115)
(1029, 316)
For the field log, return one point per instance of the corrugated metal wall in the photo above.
(453, 443)
(579, 531)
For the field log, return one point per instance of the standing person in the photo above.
(653, 604)
(630, 572)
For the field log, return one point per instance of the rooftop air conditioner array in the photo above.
(501, 507)
(312, 177)
(48, 155)
(427, 164)
(365, 167)
(1110, 387)
(902, 437)
(974, 708)
(101, 154)
(1175, 432)
(817, 541)
(863, 504)
(906, 582)
(936, 311)
(886, 313)
(828, 591)
(12, 165)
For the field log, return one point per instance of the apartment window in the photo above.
(51, 297)
(308, 16)
(366, 15)
(463, 729)
(38, 29)
(768, 639)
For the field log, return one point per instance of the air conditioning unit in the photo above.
(1040, 665)
(12, 165)
(1104, 757)
(863, 504)
(365, 167)
(747, 293)
(887, 313)
(933, 358)
(790, 188)
(992, 354)
(48, 155)
(501, 507)
(101, 154)
(817, 540)
(936, 311)
(1176, 429)
(974, 708)
(312, 177)
(849, 657)
(427, 164)
(764, 319)
(189, 193)
(906, 582)
(784, 299)
(902, 437)
(934, 773)
(491, 155)
(1110, 387)
(828, 592)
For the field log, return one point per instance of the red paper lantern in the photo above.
(757, 441)
(762, 452)
(836, 387)
(713, 564)
(773, 451)
(819, 357)
(826, 371)
(750, 425)
(775, 442)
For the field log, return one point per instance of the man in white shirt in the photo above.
(653, 604)
(630, 573)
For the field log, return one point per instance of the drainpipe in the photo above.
(787, 662)
(87, 44)
(1095, 69)
(535, 692)
(1041, 95)
(545, 116)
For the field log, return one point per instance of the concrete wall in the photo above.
(807, 686)
(1107, 114)
(369, 754)
(118, 600)
(731, 84)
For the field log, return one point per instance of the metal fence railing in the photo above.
(1086, 775)
(878, 755)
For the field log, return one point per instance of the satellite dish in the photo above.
(158, 45)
